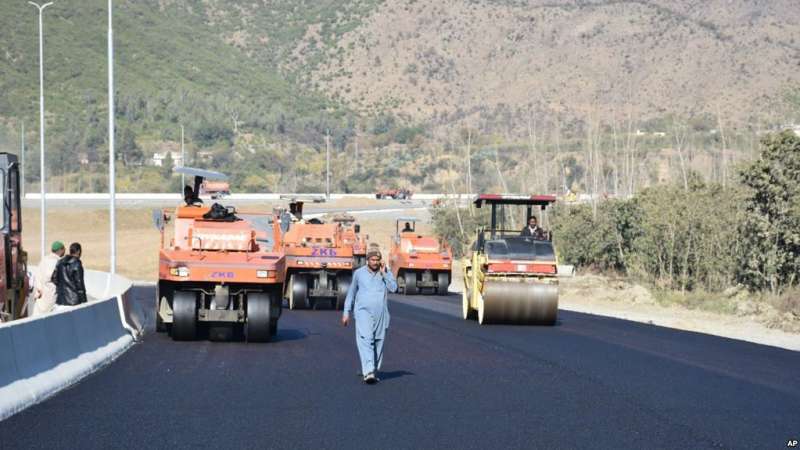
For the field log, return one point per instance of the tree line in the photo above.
(686, 236)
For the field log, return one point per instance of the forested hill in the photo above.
(258, 84)
(172, 67)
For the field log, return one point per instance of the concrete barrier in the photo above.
(566, 270)
(236, 196)
(40, 356)
(105, 285)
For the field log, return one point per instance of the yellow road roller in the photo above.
(511, 275)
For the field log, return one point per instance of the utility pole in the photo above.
(183, 159)
(111, 168)
(328, 164)
(43, 209)
(22, 156)
(469, 162)
(358, 162)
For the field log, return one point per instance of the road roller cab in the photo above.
(421, 264)
(13, 259)
(219, 271)
(319, 263)
(510, 277)
(351, 235)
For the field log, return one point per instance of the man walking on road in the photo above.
(367, 300)
(68, 277)
(45, 288)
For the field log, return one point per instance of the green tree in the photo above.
(457, 226)
(688, 237)
(672, 237)
(128, 148)
(167, 165)
(771, 230)
(604, 242)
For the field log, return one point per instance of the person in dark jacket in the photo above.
(68, 278)
(190, 196)
(533, 229)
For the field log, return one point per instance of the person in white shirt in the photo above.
(45, 288)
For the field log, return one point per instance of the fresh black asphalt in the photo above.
(588, 382)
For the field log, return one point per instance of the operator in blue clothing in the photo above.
(367, 302)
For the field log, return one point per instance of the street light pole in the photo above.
(328, 165)
(43, 209)
(111, 157)
(22, 156)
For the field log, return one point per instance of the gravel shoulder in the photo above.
(598, 295)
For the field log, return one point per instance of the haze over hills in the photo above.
(258, 84)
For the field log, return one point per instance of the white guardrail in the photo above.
(39, 356)
(165, 197)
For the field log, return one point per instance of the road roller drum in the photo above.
(518, 301)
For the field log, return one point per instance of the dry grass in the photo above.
(137, 239)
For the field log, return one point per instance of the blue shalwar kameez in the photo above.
(367, 300)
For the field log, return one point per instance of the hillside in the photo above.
(172, 68)
(455, 57)
(259, 84)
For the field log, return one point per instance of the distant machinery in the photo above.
(421, 264)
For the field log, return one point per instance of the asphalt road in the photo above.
(589, 382)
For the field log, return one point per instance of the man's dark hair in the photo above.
(74, 248)
(534, 218)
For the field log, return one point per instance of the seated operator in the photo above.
(532, 229)
(190, 197)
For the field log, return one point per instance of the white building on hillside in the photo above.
(158, 158)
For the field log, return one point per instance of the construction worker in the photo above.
(68, 278)
(532, 229)
(190, 197)
(286, 221)
(45, 289)
(367, 301)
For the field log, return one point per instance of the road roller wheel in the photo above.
(259, 317)
(442, 283)
(410, 279)
(467, 313)
(343, 281)
(184, 316)
(161, 327)
(298, 292)
(273, 327)
(482, 319)
(221, 331)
